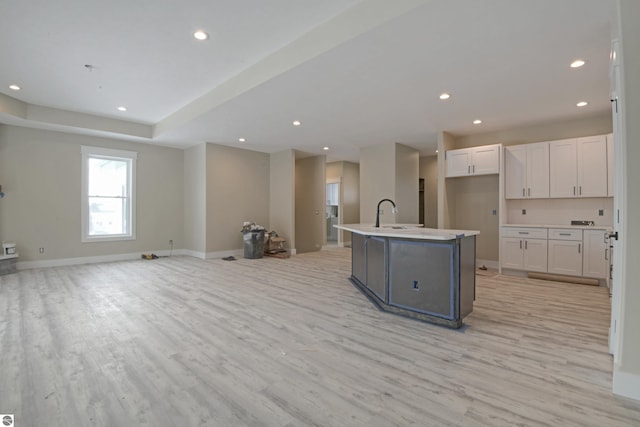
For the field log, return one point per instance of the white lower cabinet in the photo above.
(571, 252)
(524, 249)
(565, 257)
(565, 251)
(595, 260)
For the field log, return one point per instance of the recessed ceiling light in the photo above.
(582, 104)
(200, 35)
(122, 108)
(577, 63)
(477, 121)
(14, 87)
(436, 151)
(297, 122)
(325, 148)
(241, 140)
(445, 96)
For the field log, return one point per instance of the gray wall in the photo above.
(40, 172)
(350, 197)
(389, 171)
(237, 190)
(407, 168)
(377, 182)
(349, 175)
(195, 200)
(310, 204)
(282, 196)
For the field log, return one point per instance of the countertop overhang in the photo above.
(407, 231)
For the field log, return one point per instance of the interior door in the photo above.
(617, 242)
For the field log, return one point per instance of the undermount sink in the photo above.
(395, 227)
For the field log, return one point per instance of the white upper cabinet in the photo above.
(563, 168)
(578, 167)
(592, 166)
(481, 160)
(527, 171)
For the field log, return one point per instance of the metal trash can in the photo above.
(253, 243)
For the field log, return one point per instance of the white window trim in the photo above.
(87, 152)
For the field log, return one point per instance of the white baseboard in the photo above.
(487, 263)
(626, 384)
(195, 254)
(238, 253)
(60, 262)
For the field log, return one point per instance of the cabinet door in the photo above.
(485, 160)
(537, 170)
(596, 253)
(515, 163)
(535, 255)
(565, 257)
(563, 168)
(592, 166)
(610, 165)
(376, 256)
(512, 253)
(458, 163)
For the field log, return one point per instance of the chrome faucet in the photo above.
(394, 210)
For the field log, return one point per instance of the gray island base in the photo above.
(426, 274)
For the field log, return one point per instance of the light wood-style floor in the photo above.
(185, 342)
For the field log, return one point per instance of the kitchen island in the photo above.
(424, 273)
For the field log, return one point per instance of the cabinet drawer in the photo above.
(525, 233)
(565, 234)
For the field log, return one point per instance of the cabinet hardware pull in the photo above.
(520, 244)
(523, 192)
(469, 169)
(606, 254)
(574, 190)
(525, 244)
(579, 244)
(523, 232)
(529, 192)
(565, 234)
(580, 190)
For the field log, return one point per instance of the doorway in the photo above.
(332, 212)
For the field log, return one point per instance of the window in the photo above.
(108, 194)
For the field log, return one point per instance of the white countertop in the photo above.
(406, 231)
(577, 227)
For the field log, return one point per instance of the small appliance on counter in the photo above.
(581, 222)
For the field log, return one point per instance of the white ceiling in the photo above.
(356, 73)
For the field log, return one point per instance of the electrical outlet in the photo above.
(41, 250)
(494, 212)
(524, 211)
(601, 212)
